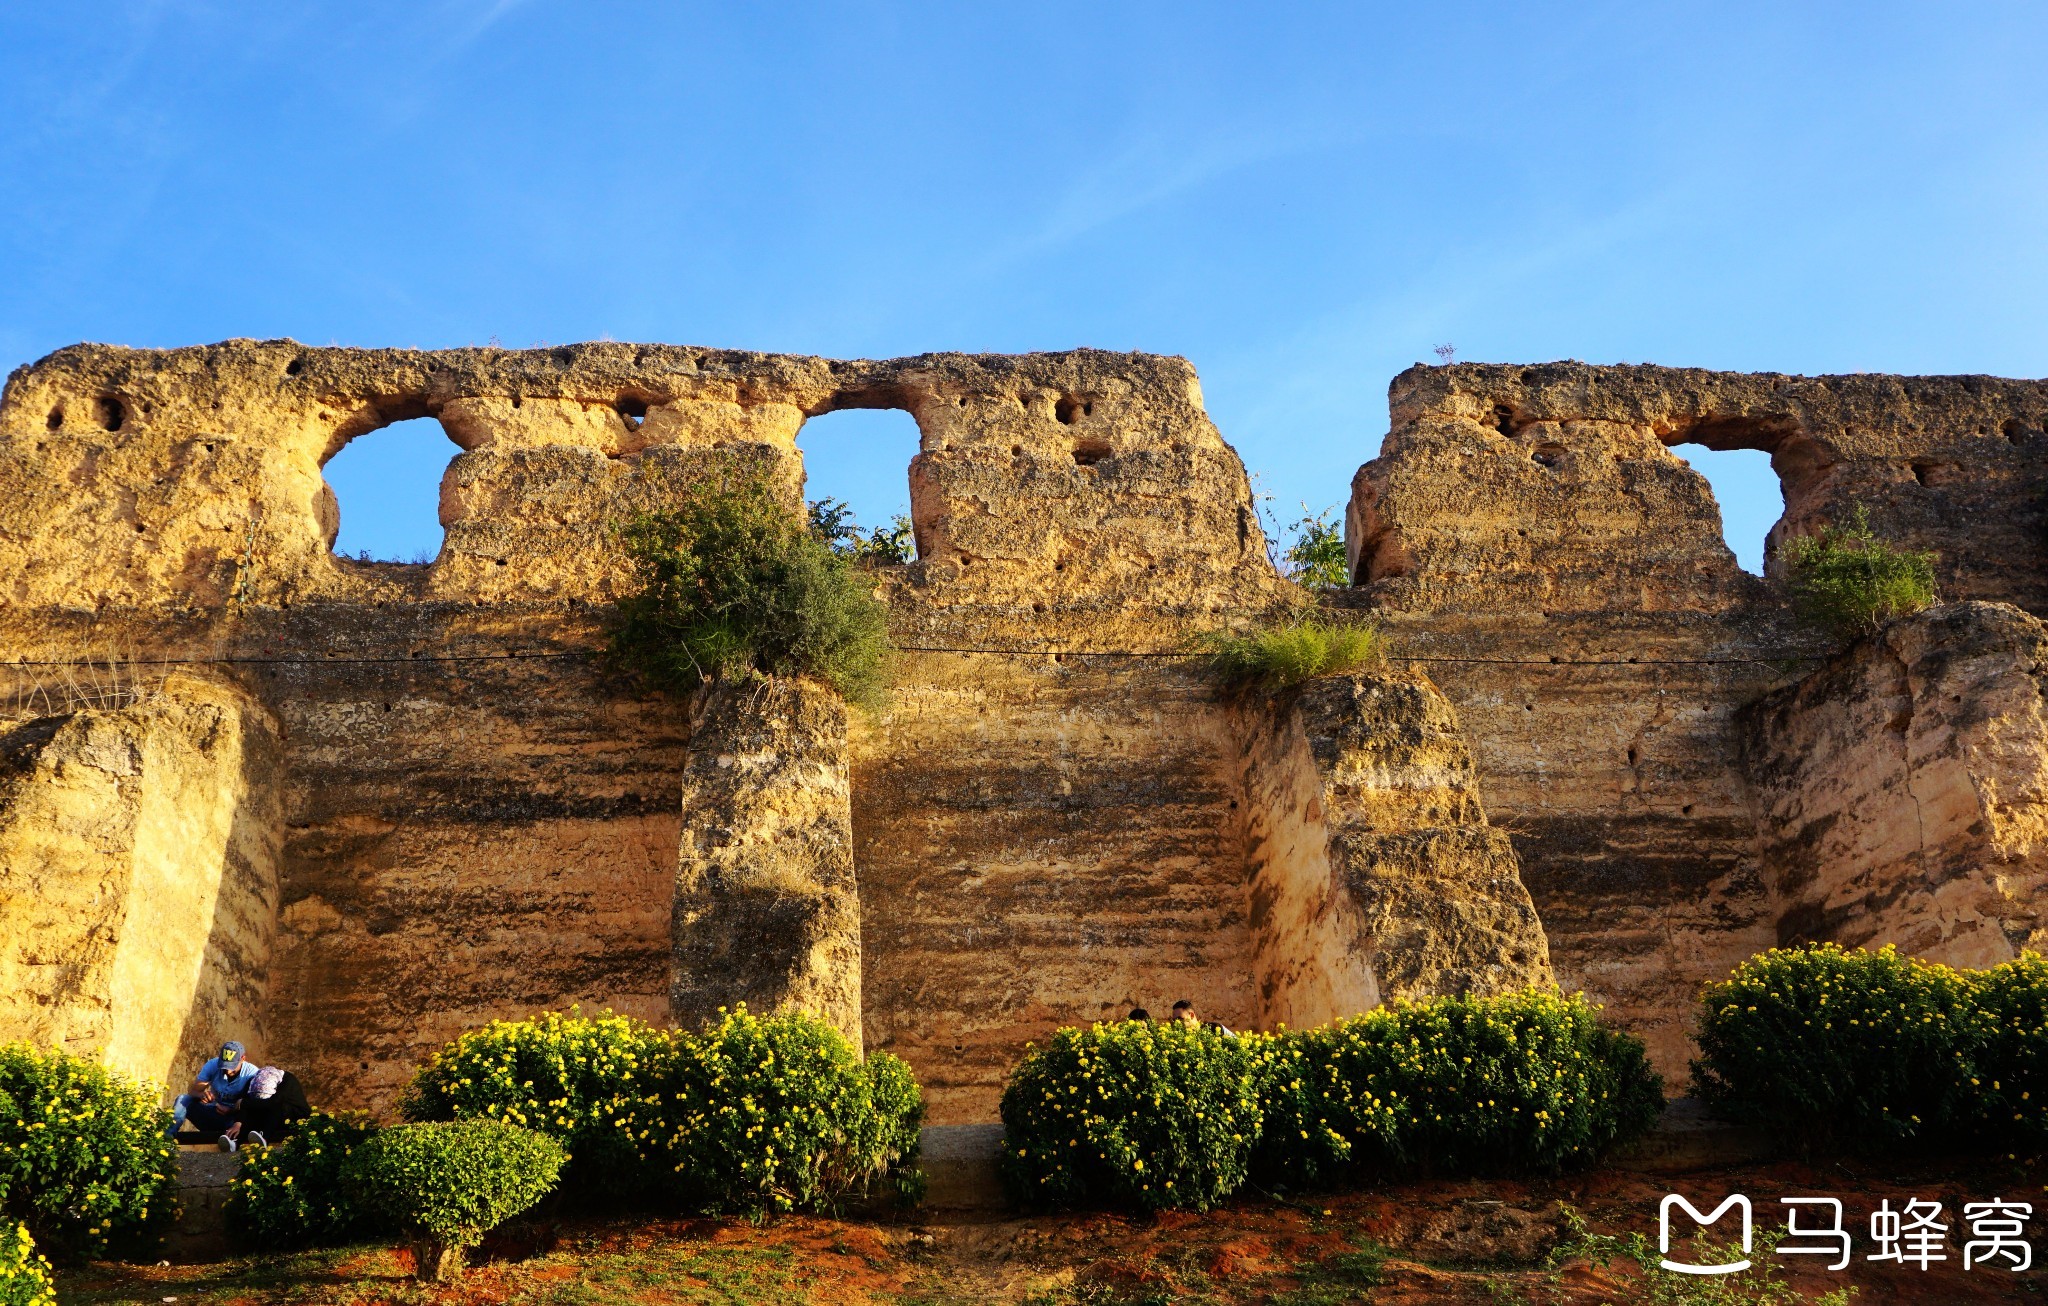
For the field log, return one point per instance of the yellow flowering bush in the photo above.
(84, 1161)
(291, 1195)
(1131, 1114)
(569, 1076)
(774, 1113)
(1524, 1082)
(1843, 1047)
(753, 1113)
(24, 1274)
(446, 1183)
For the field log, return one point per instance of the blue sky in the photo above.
(1302, 199)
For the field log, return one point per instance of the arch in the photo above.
(860, 457)
(384, 492)
(1748, 493)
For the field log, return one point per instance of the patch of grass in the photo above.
(1280, 657)
(1848, 581)
(1338, 1279)
(1761, 1285)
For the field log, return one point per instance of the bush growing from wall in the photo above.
(774, 1113)
(292, 1194)
(447, 1182)
(730, 583)
(569, 1076)
(1527, 1082)
(1315, 558)
(1131, 1114)
(84, 1162)
(1282, 656)
(1858, 1050)
(1848, 581)
(884, 546)
(24, 1274)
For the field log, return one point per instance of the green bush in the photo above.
(1131, 1114)
(1282, 656)
(1527, 1082)
(293, 1194)
(729, 583)
(1836, 1046)
(1847, 581)
(884, 546)
(84, 1162)
(569, 1076)
(2012, 1061)
(447, 1182)
(774, 1113)
(1316, 557)
(24, 1274)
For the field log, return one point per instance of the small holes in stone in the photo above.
(633, 410)
(1068, 409)
(1548, 455)
(1016, 451)
(517, 401)
(296, 366)
(55, 419)
(112, 414)
(1090, 452)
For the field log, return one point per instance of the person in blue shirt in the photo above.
(214, 1102)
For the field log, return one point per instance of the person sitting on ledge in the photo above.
(214, 1102)
(1184, 1016)
(274, 1103)
(1139, 1013)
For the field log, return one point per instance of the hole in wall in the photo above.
(56, 418)
(1748, 493)
(1069, 410)
(1088, 453)
(632, 409)
(112, 413)
(296, 366)
(387, 489)
(860, 457)
(1548, 454)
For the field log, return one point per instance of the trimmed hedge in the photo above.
(448, 1182)
(754, 1113)
(84, 1161)
(1133, 1114)
(293, 1195)
(24, 1274)
(1528, 1082)
(1851, 1048)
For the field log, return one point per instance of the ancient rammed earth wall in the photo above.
(1529, 529)
(469, 819)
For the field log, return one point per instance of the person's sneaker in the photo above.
(227, 1144)
(256, 1137)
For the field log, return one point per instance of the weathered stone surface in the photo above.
(766, 909)
(1374, 873)
(1903, 789)
(139, 850)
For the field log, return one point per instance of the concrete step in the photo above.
(204, 1173)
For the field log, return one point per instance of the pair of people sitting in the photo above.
(234, 1102)
(1185, 1016)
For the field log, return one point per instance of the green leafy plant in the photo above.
(2011, 1092)
(1282, 656)
(292, 1194)
(1525, 1082)
(1835, 1046)
(884, 546)
(1763, 1284)
(729, 583)
(569, 1076)
(84, 1161)
(774, 1113)
(1315, 557)
(1848, 581)
(24, 1274)
(1130, 1114)
(447, 1182)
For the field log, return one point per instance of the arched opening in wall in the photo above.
(1750, 495)
(857, 466)
(386, 485)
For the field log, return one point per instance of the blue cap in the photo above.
(231, 1052)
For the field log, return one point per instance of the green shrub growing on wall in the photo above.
(84, 1162)
(24, 1274)
(1527, 1082)
(1836, 1046)
(1131, 1114)
(1847, 581)
(774, 1113)
(884, 546)
(1282, 656)
(293, 1195)
(569, 1076)
(730, 583)
(448, 1182)
(1315, 557)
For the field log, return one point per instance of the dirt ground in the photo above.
(1477, 1241)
